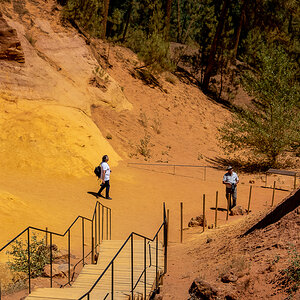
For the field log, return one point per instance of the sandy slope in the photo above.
(51, 109)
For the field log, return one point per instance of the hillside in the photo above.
(240, 266)
(62, 82)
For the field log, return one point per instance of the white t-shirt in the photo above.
(105, 167)
(232, 179)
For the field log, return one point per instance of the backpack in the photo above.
(97, 171)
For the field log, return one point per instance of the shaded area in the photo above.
(95, 194)
(287, 205)
(219, 209)
(238, 164)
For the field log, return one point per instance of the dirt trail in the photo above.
(137, 200)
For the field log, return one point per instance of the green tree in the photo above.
(272, 125)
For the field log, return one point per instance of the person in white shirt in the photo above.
(105, 176)
(231, 180)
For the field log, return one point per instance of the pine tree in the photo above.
(272, 125)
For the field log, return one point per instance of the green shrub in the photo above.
(143, 147)
(39, 256)
(290, 279)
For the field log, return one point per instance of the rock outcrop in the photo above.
(10, 46)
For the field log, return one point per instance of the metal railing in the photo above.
(173, 166)
(101, 216)
(143, 274)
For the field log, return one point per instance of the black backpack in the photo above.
(97, 171)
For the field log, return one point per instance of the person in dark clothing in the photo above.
(105, 176)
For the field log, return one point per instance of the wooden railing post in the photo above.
(203, 212)
(273, 194)
(181, 222)
(216, 212)
(28, 260)
(250, 192)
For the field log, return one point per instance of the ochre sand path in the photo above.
(136, 206)
(121, 272)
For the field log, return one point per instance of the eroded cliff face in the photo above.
(45, 101)
(10, 46)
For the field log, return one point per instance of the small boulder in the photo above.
(201, 289)
(198, 221)
(226, 278)
(238, 211)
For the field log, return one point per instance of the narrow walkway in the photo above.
(122, 274)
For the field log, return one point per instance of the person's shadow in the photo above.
(95, 195)
(219, 209)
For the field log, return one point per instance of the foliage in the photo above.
(272, 125)
(143, 148)
(291, 274)
(154, 52)
(87, 14)
(39, 256)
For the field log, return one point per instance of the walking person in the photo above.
(231, 180)
(105, 176)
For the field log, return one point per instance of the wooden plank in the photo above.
(122, 274)
(281, 172)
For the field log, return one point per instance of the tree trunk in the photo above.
(178, 20)
(168, 17)
(127, 21)
(238, 32)
(213, 49)
(104, 22)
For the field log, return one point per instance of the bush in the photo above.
(143, 147)
(152, 50)
(39, 256)
(290, 279)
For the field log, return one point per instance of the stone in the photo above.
(58, 270)
(198, 221)
(226, 278)
(10, 45)
(237, 211)
(201, 289)
(230, 296)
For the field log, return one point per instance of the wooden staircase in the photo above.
(122, 274)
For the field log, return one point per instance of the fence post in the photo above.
(28, 253)
(165, 239)
(273, 194)
(216, 212)
(99, 223)
(295, 181)
(51, 260)
(181, 222)
(46, 236)
(92, 241)
(228, 205)
(250, 192)
(82, 231)
(102, 221)
(110, 224)
(131, 248)
(168, 220)
(106, 223)
(145, 270)
(112, 280)
(203, 212)
(69, 254)
(156, 262)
